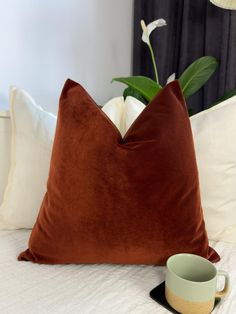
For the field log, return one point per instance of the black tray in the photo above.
(158, 294)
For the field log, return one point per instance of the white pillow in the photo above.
(114, 109)
(5, 139)
(214, 133)
(32, 137)
(123, 113)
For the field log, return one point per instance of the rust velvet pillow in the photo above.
(131, 200)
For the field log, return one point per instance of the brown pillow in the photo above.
(111, 200)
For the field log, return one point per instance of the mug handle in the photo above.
(222, 293)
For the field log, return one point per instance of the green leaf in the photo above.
(190, 112)
(226, 95)
(145, 86)
(129, 91)
(197, 74)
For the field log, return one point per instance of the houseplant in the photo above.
(194, 77)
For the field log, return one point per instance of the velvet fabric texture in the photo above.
(130, 200)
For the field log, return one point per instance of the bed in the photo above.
(31, 288)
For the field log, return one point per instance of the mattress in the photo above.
(87, 289)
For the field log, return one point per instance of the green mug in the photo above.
(190, 285)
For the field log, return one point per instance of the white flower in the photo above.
(148, 29)
(171, 78)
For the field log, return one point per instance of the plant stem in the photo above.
(154, 62)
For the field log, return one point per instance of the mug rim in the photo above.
(197, 257)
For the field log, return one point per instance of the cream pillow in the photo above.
(32, 138)
(5, 139)
(123, 113)
(214, 133)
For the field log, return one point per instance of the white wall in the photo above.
(43, 42)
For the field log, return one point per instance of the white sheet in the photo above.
(88, 289)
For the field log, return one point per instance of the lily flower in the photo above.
(171, 78)
(147, 30)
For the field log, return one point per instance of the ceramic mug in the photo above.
(190, 285)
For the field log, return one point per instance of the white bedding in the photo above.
(104, 289)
